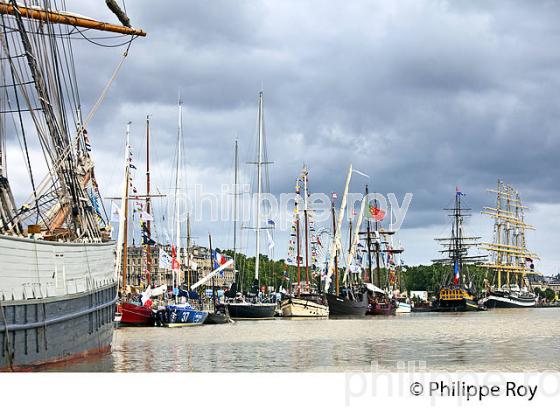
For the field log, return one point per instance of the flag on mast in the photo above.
(115, 212)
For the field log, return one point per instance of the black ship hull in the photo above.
(252, 310)
(51, 330)
(456, 306)
(346, 307)
(218, 317)
(505, 300)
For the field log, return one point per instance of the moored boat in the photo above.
(457, 292)
(511, 260)
(134, 315)
(403, 307)
(512, 297)
(308, 303)
(58, 286)
(181, 315)
(249, 310)
(347, 303)
(256, 306)
(303, 307)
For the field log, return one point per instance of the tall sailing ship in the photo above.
(457, 292)
(306, 302)
(58, 286)
(350, 299)
(511, 261)
(379, 242)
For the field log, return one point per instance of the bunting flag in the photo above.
(144, 216)
(115, 212)
(165, 261)
(146, 240)
(270, 241)
(458, 191)
(174, 261)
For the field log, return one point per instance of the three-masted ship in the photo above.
(58, 286)
(511, 261)
(457, 292)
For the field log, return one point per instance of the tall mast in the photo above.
(368, 243)
(458, 234)
(212, 268)
(354, 241)
(298, 240)
(148, 204)
(305, 217)
(188, 250)
(337, 290)
(125, 205)
(377, 251)
(335, 245)
(177, 185)
(235, 186)
(259, 186)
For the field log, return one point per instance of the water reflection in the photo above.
(501, 340)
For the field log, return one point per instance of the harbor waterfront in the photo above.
(454, 341)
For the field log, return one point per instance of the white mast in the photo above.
(177, 185)
(336, 240)
(124, 202)
(355, 240)
(259, 184)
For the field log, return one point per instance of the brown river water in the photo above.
(514, 340)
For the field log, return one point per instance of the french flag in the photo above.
(219, 259)
(456, 275)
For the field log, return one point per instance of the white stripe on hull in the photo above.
(507, 301)
(39, 269)
(403, 307)
(295, 307)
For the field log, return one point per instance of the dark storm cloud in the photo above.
(422, 96)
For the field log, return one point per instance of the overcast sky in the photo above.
(422, 96)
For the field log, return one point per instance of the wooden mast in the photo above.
(211, 269)
(125, 205)
(378, 252)
(148, 206)
(368, 242)
(298, 255)
(337, 289)
(67, 19)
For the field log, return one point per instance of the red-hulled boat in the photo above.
(134, 315)
(382, 307)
